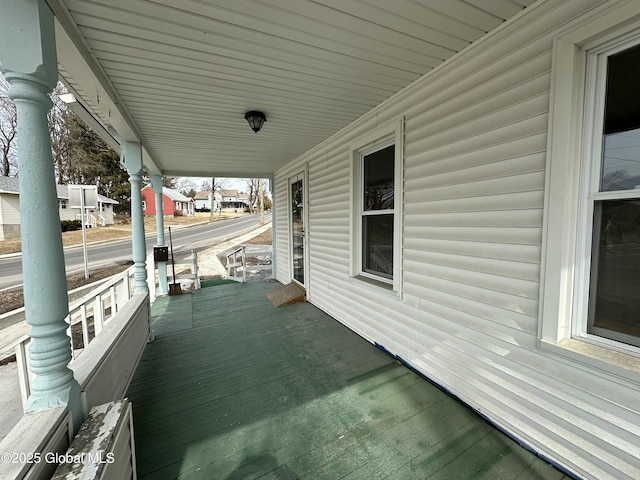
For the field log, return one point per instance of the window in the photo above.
(591, 250)
(62, 204)
(611, 196)
(376, 194)
(376, 210)
(144, 205)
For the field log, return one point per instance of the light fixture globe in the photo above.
(256, 120)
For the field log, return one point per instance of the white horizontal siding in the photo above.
(10, 209)
(281, 232)
(474, 179)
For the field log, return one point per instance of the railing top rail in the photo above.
(239, 249)
(102, 288)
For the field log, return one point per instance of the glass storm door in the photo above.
(296, 196)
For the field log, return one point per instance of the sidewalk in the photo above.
(208, 263)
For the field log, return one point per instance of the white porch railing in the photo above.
(87, 318)
(152, 277)
(90, 221)
(237, 267)
(103, 373)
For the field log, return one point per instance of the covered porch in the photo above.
(234, 387)
(466, 258)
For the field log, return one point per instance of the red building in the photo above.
(173, 202)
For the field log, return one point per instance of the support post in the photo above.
(133, 164)
(156, 184)
(28, 60)
(273, 227)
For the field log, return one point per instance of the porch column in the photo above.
(133, 164)
(156, 184)
(273, 226)
(28, 60)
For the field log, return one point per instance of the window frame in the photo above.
(391, 133)
(378, 146)
(570, 141)
(590, 190)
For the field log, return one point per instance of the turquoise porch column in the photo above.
(156, 184)
(133, 164)
(28, 60)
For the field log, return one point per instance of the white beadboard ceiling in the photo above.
(178, 75)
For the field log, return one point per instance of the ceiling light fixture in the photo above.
(255, 119)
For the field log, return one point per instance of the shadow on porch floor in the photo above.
(235, 388)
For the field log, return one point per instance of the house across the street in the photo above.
(232, 201)
(228, 200)
(174, 204)
(205, 199)
(10, 208)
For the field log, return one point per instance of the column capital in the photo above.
(133, 157)
(156, 183)
(27, 42)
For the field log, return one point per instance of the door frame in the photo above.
(303, 175)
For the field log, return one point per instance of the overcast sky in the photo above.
(239, 184)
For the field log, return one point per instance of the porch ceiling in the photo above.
(179, 76)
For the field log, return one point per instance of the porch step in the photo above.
(287, 295)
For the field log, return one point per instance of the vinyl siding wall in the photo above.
(9, 216)
(474, 178)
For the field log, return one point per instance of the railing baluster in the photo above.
(194, 269)
(22, 359)
(98, 314)
(244, 264)
(112, 295)
(69, 334)
(85, 325)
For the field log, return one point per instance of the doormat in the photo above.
(287, 295)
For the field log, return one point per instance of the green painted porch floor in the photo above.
(235, 388)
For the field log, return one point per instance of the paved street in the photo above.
(184, 239)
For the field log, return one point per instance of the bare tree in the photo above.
(184, 184)
(205, 186)
(217, 184)
(8, 130)
(253, 187)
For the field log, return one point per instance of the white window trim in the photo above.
(144, 205)
(589, 189)
(563, 234)
(391, 132)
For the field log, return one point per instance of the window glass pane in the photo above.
(621, 161)
(378, 180)
(297, 230)
(621, 143)
(377, 245)
(615, 280)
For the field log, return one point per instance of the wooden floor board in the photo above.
(235, 388)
